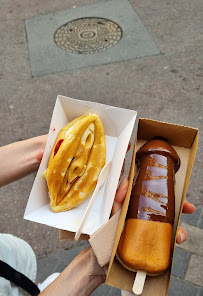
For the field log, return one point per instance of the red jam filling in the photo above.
(58, 146)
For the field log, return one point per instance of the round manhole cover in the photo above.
(88, 35)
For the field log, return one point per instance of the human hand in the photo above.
(181, 236)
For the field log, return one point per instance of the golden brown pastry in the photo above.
(75, 162)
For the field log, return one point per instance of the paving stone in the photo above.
(61, 266)
(114, 292)
(135, 42)
(66, 256)
(200, 292)
(57, 261)
(194, 272)
(194, 242)
(180, 263)
(102, 290)
(125, 293)
(201, 220)
(45, 267)
(192, 219)
(180, 288)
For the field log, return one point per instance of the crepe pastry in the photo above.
(75, 162)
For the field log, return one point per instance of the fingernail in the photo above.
(183, 237)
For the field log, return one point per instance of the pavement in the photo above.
(163, 84)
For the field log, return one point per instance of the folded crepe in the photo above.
(75, 162)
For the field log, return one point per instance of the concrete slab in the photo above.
(106, 290)
(195, 271)
(193, 219)
(113, 292)
(200, 292)
(194, 243)
(58, 261)
(46, 57)
(201, 220)
(180, 264)
(180, 288)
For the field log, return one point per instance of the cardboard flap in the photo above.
(95, 268)
(103, 239)
(65, 235)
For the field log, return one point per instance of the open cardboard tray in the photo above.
(184, 140)
(117, 133)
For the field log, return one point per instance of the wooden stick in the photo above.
(139, 282)
(102, 177)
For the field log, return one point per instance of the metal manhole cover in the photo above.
(88, 35)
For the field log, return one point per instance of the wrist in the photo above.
(76, 275)
(33, 151)
(40, 146)
(20, 159)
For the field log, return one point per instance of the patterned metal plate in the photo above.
(88, 35)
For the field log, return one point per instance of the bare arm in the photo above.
(20, 159)
(75, 279)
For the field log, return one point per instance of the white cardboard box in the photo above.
(118, 125)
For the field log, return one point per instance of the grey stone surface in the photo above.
(194, 242)
(180, 263)
(195, 270)
(201, 220)
(46, 57)
(200, 292)
(106, 290)
(58, 261)
(114, 292)
(180, 288)
(193, 219)
(46, 266)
